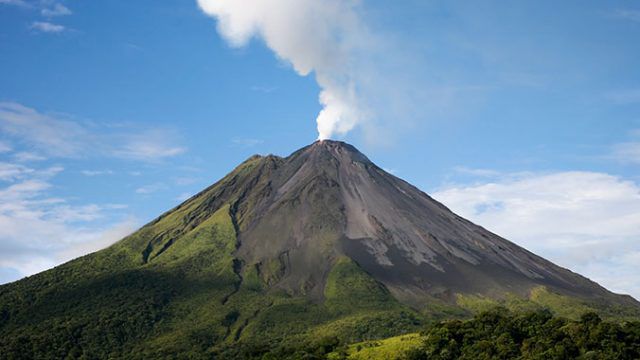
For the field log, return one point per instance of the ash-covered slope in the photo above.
(298, 214)
(283, 252)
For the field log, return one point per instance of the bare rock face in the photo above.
(296, 215)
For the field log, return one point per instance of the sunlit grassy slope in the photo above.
(392, 348)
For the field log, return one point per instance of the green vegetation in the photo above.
(349, 287)
(561, 305)
(151, 297)
(500, 334)
(494, 334)
(394, 348)
(115, 301)
(542, 298)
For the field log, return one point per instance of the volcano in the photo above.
(322, 242)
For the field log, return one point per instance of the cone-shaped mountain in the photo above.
(320, 242)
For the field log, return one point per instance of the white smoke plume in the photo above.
(323, 37)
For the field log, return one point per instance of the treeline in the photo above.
(499, 334)
(494, 334)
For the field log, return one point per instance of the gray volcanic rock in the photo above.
(296, 215)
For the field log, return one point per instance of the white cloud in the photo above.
(99, 240)
(476, 172)
(26, 156)
(50, 171)
(55, 9)
(58, 136)
(55, 136)
(47, 27)
(327, 38)
(369, 80)
(20, 3)
(38, 231)
(151, 145)
(51, 242)
(47, 8)
(585, 221)
(11, 172)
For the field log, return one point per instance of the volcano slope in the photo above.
(284, 251)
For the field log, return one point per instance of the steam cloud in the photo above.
(324, 37)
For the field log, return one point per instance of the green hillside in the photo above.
(172, 288)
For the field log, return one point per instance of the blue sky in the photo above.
(522, 116)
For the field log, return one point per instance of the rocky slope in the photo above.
(298, 214)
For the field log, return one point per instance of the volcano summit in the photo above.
(320, 243)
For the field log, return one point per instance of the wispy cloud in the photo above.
(55, 136)
(55, 9)
(150, 145)
(38, 231)
(47, 27)
(486, 173)
(26, 156)
(11, 172)
(20, 3)
(60, 136)
(48, 9)
(582, 220)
